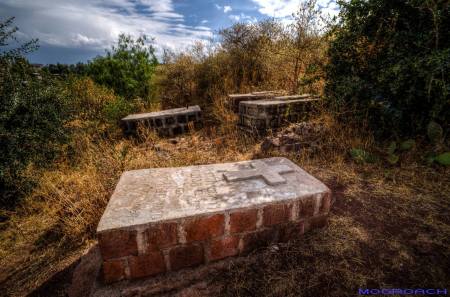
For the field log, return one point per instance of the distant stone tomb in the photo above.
(261, 115)
(166, 122)
(166, 219)
(235, 99)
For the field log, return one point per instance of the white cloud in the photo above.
(285, 8)
(204, 21)
(227, 8)
(218, 6)
(277, 8)
(93, 24)
(242, 18)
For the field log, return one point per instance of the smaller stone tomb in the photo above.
(261, 115)
(166, 122)
(235, 99)
(166, 219)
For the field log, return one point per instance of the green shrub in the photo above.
(389, 64)
(32, 117)
(127, 68)
(113, 111)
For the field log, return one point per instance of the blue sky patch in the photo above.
(78, 30)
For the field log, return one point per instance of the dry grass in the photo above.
(389, 225)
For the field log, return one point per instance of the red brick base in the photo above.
(148, 251)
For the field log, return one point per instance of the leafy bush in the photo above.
(113, 111)
(389, 64)
(32, 117)
(33, 110)
(88, 99)
(127, 68)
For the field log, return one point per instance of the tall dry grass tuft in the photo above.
(76, 196)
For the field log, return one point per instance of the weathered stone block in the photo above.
(186, 256)
(166, 122)
(235, 99)
(261, 115)
(204, 213)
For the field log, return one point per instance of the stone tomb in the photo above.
(166, 219)
(166, 122)
(235, 99)
(261, 115)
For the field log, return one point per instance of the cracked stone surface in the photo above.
(162, 194)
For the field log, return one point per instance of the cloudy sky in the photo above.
(70, 31)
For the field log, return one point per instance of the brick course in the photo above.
(258, 116)
(114, 270)
(161, 236)
(225, 247)
(242, 221)
(276, 214)
(204, 228)
(186, 256)
(116, 244)
(146, 265)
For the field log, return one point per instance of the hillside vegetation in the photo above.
(382, 70)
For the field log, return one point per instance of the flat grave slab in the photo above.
(167, 122)
(235, 99)
(166, 219)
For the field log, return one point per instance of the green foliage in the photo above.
(127, 68)
(443, 159)
(32, 128)
(88, 100)
(64, 70)
(8, 51)
(389, 64)
(393, 159)
(362, 156)
(392, 147)
(32, 114)
(113, 111)
(407, 145)
(435, 132)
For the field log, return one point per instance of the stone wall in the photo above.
(261, 115)
(166, 122)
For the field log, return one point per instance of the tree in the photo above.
(8, 51)
(127, 68)
(32, 113)
(389, 64)
(306, 42)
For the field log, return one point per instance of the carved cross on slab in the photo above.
(270, 174)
